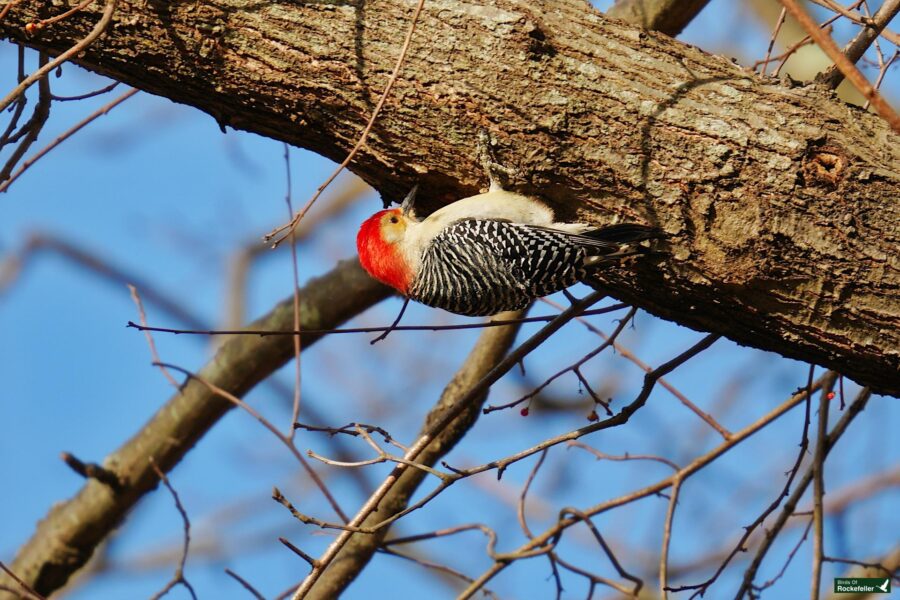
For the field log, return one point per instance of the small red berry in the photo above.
(524, 412)
(592, 416)
(829, 396)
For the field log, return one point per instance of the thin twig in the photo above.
(787, 561)
(775, 31)
(264, 332)
(890, 572)
(136, 298)
(434, 430)
(619, 419)
(34, 125)
(790, 506)
(21, 101)
(92, 471)
(824, 383)
(869, 33)
(295, 407)
(624, 457)
(28, 589)
(881, 73)
(245, 584)
(594, 579)
(292, 224)
(574, 368)
(392, 326)
(436, 567)
(692, 468)
(409, 539)
(856, 17)
(667, 538)
(663, 382)
(42, 72)
(806, 40)
(170, 432)
(178, 576)
(844, 12)
(844, 64)
(60, 17)
(287, 441)
(287, 544)
(66, 135)
(250, 253)
(589, 523)
(520, 507)
(99, 92)
(818, 493)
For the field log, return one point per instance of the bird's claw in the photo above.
(493, 169)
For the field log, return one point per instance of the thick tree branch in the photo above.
(492, 346)
(68, 535)
(780, 202)
(667, 16)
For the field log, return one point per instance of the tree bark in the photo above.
(780, 201)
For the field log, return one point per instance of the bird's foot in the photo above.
(493, 169)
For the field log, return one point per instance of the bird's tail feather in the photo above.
(615, 242)
(625, 233)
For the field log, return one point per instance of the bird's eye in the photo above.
(394, 219)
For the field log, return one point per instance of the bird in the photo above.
(489, 253)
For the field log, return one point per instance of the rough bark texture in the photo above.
(781, 202)
(66, 538)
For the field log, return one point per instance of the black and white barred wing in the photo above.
(482, 267)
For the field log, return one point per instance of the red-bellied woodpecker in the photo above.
(488, 253)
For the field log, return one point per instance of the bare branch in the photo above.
(825, 384)
(667, 16)
(22, 585)
(245, 584)
(285, 230)
(869, 33)
(790, 506)
(8, 180)
(520, 507)
(67, 537)
(844, 64)
(454, 414)
(667, 540)
(493, 322)
(818, 472)
(48, 68)
(541, 540)
(32, 128)
(178, 576)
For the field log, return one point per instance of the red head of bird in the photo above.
(380, 247)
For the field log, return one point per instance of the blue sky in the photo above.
(155, 188)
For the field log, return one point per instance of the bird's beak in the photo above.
(407, 205)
